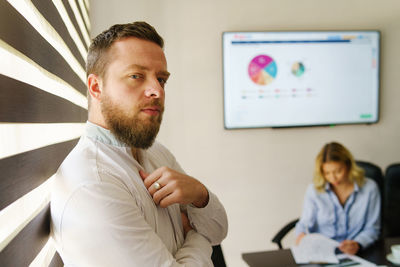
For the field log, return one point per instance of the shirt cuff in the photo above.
(211, 200)
(300, 228)
(363, 242)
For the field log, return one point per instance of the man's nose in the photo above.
(154, 89)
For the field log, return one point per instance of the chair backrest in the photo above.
(391, 219)
(374, 172)
(217, 256)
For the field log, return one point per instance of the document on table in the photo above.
(351, 260)
(315, 248)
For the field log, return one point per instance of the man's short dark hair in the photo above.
(97, 56)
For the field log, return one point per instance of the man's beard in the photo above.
(128, 127)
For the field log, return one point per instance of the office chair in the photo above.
(371, 171)
(217, 256)
(374, 172)
(391, 201)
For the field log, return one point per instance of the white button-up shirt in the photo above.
(103, 215)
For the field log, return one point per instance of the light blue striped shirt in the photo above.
(358, 219)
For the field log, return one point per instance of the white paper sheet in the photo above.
(346, 260)
(315, 248)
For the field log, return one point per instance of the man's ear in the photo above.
(94, 84)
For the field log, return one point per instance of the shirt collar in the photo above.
(100, 134)
(328, 187)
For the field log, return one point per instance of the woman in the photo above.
(341, 203)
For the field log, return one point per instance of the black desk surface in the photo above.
(376, 254)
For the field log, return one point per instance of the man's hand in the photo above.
(174, 188)
(186, 224)
(349, 247)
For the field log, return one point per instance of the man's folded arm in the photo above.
(210, 221)
(102, 225)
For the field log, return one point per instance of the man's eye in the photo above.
(162, 81)
(135, 76)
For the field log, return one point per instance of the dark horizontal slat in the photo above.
(24, 38)
(21, 102)
(23, 172)
(49, 11)
(23, 249)
(56, 261)
(73, 19)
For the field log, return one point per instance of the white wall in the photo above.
(261, 174)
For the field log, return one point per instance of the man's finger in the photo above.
(143, 174)
(151, 178)
(168, 200)
(161, 193)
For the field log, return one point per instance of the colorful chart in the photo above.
(262, 69)
(298, 69)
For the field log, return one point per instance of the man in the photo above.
(121, 199)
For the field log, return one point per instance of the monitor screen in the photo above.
(288, 79)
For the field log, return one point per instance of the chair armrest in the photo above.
(281, 234)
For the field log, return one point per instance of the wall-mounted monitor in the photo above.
(308, 78)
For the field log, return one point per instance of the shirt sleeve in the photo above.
(370, 232)
(308, 215)
(102, 225)
(210, 221)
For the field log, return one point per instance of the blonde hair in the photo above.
(337, 153)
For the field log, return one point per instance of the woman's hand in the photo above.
(299, 238)
(349, 247)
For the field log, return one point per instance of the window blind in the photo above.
(43, 108)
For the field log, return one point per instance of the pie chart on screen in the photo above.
(262, 70)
